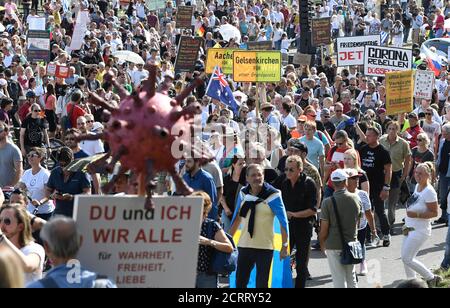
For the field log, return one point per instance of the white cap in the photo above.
(3, 82)
(339, 175)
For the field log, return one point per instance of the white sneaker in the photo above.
(375, 242)
(363, 268)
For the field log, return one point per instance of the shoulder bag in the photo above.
(352, 252)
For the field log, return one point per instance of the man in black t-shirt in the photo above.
(376, 162)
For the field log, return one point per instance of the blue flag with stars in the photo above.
(218, 88)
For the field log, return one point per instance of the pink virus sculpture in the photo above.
(139, 134)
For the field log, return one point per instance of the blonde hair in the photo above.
(429, 169)
(354, 155)
(20, 213)
(295, 159)
(425, 137)
(11, 273)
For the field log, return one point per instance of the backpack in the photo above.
(13, 90)
(222, 262)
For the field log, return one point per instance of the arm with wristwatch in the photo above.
(384, 194)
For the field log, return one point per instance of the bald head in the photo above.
(61, 238)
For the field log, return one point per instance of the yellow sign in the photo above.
(257, 66)
(220, 57)
(399, 92)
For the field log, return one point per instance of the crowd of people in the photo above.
(317, 150)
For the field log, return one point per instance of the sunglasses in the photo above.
(31, 155)
(428, 113)
(326, 117)
(354, 178)
(244, 111)
(90, 121)
(289, 170)
(6, 221)
(338, 110)
(37, 110)
(420, 140)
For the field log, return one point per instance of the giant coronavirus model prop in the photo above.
(140, 134)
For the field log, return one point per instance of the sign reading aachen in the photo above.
(220, 57)
(257, 66)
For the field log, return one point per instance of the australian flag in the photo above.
(218, 88)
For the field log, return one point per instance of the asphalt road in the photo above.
(384, 263)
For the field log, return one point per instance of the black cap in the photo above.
(298, 145)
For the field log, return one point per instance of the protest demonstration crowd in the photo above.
(329, 116)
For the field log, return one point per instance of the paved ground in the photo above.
(385, 266)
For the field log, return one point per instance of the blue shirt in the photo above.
(75, 185)
(80, 154)
(204, 181)
(315, 150)
(60, 274)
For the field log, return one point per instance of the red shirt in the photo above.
(412, 138)
(24, 110)
(76, 113)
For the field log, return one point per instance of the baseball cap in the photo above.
(30, 94)
(381, 111)
(413, 115)
(339, 175)
(302, 118)
(351, 172)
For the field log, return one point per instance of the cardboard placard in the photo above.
(257, 66)
(140, 248)
(380, 60)
(38, 46)
(302, 59)
(399, 92)
(321, 31)
(350, 50)
(424, 84)
(222, 57)
(184, 17)
(188, 49)
(263, 45)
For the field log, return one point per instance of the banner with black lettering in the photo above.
(380, 60)
(351, 49)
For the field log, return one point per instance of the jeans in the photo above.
(206, 281)
(247, 259)
(410, 249)
(378, 206)
(362, 234)
(446, 262)
(301, 239)
(444, 185)
(344, 276)
(406, 31)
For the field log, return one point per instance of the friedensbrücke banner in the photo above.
(351, 49)
(399, 92)
(140, 248)
(380, 60)
(257, 66)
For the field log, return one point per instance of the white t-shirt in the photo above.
(366, 206)
(39, 250)
(418, 203)
(441, 86)
(290, 121)
(92, 147)
(36, 186)
(433, 131)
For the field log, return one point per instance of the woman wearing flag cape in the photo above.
(256, 207)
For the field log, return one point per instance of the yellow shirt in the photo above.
(398, 151)
(263, 234)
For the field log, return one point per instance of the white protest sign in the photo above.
(424, 84)
(351, 49)
(36, 23)
(80, 30)
(380, 60)
(140, 248)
